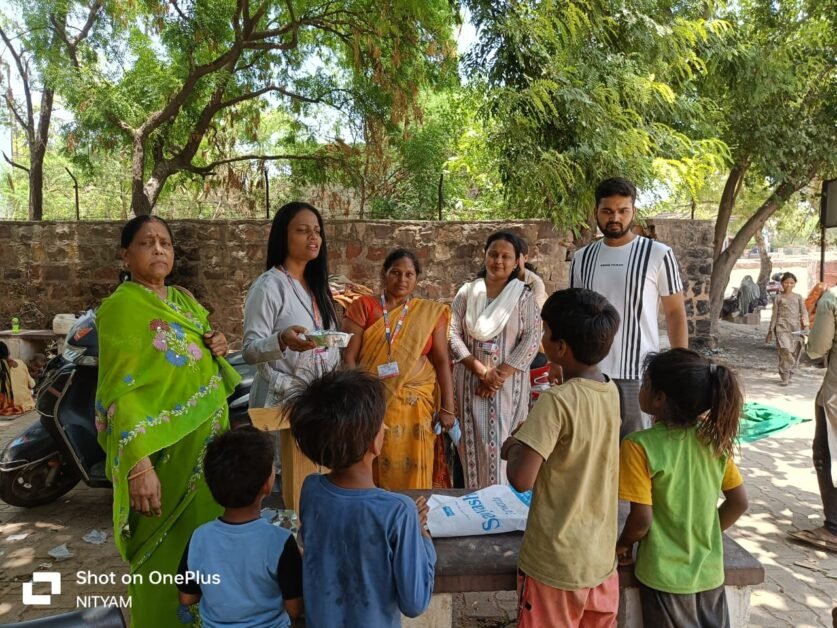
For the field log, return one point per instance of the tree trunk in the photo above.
(765, 265)
(724, 263)
(37, 153)
(139, 201)
(725, 207)
(36, 189)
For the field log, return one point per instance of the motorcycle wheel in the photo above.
(27, 487)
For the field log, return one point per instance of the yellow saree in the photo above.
(406, 461)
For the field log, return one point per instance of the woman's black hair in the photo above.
(512, 239)
(316, 271)
(697, 391)
(132, 227)
(524, 249)
(5, 372)
(398, 254)
(788, 276)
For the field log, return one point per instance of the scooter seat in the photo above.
(102, 617)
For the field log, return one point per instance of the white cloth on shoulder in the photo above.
(484, 323)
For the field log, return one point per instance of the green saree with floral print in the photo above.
(160, 394)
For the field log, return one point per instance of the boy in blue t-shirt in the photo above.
(244, 571)
(368, 557)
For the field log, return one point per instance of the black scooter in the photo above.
(53, 454)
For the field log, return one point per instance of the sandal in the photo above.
(809, 537)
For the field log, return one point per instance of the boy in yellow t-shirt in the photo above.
(567, 450)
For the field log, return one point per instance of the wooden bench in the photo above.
(489, 563)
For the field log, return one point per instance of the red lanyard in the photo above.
(390, 336)
(315, 315)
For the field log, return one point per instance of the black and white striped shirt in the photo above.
(632, 277)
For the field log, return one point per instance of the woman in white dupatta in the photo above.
(494, 334)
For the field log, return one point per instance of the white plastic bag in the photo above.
(493, 510)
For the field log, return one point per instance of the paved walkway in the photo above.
(783, 496)
(778, 472)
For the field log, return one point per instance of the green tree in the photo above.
(774, 79)
(585, 89)
(166, 72)
(437, 167)
(38, 41)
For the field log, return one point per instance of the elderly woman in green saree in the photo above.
(161, 398)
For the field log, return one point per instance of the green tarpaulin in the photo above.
(759, 421)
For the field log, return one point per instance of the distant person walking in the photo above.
(789, 316)
(635, 274)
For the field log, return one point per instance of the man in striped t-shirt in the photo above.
(634, 273)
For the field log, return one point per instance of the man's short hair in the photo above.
(336, 417)
(237, 464)
(585, 320)
(616, 186)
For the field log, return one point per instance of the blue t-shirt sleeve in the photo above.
(414, 562)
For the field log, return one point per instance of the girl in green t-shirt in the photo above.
(673, 473)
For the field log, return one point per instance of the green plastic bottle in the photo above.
(15, 325)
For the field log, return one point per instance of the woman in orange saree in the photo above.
(403, 340)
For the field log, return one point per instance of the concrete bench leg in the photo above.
(440, 612)
(438, 615)
(738, 603)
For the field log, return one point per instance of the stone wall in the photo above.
(692, 244)
(49, 267)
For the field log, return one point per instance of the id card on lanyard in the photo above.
(313, 311)
(390, 368)
(489, 351)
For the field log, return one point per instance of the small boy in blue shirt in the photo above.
(244, 571)
(368, 557)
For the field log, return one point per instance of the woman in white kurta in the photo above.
(494, 334)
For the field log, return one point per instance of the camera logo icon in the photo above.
(53, 578)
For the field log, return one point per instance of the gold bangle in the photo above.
(139, 473)
(446, 411)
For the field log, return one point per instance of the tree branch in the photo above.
(13, 164)
(208, 169)
(291, 27)
(259, 13)
(268, 89)
(24, 77)
(13, 107)
(129, 130)
(263, 45)
(179, 12)
(775, 201)
(92, 16)
(60, 28)
(173, 107)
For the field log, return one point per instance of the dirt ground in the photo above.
(800, 584)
